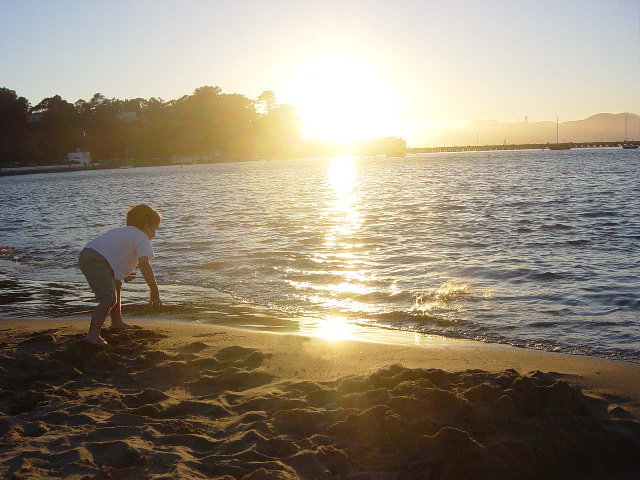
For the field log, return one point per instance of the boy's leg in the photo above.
(116, 311)
(98, 317)
(100, 278)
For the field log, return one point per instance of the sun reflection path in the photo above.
(343, 214)
(343, 208)
(343, 280)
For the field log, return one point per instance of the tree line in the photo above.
(208, 122)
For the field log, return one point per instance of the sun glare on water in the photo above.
(342, 99)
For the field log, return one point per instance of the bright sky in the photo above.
(350, 67)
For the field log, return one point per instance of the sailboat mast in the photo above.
(557, 141)
(626, 121)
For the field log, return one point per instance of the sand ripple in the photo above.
(198, 411)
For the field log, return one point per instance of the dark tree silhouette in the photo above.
(55, 130)
(14, 114)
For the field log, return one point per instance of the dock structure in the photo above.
(525, 146)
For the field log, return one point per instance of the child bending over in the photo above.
(111, 258)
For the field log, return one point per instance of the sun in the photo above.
(342, 99)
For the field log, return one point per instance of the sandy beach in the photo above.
(186, 401)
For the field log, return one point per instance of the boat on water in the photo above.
(626, 145)
(558, 145)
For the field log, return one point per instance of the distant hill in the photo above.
(608, 127)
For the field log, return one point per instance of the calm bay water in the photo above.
(533, 248)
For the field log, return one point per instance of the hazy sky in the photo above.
(392, 67)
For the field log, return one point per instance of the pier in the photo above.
(526, 146)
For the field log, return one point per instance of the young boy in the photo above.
(111, 258)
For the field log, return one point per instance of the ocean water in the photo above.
(537, 249)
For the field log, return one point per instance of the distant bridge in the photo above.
(524, 146)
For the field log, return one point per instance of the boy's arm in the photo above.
(150, 278)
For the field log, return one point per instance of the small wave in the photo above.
(308, 263)
(600, 324)
(577, 242)
(524, 230)
(560, 312)
(545, 276)
(624, 302)
(394, 316)
(318, 278)
(224, 223)
(609, 299)
(377, 297)
(604, 313)
(509, 274)
(440, 297)
(212, 265)
(556, 226)
(401, 320)
(312, 240)
(189, 247)
(599, 214)
(473, 245)
(543, 324)
(271, 254)
(450, 208)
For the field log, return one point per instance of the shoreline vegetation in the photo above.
(208, 125)
(175, 400)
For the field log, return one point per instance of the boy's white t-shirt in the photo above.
(121, 247)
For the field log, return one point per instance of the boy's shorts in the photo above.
(97, 271)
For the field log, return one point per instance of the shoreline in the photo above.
(594, 374)
(174, 400)
(13, 171)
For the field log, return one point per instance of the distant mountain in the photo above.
(608, 127)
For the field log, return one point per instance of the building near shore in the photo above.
(127, 116)
(83, 158)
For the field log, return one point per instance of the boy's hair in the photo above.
(142, 215)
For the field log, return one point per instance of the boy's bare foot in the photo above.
(98, 342)
(120, 326)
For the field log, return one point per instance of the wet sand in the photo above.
(185, 401)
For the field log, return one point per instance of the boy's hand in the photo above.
(154, 299)
(129, 277)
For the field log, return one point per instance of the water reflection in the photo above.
(343, 203)
(343, 213)
(342, 248)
